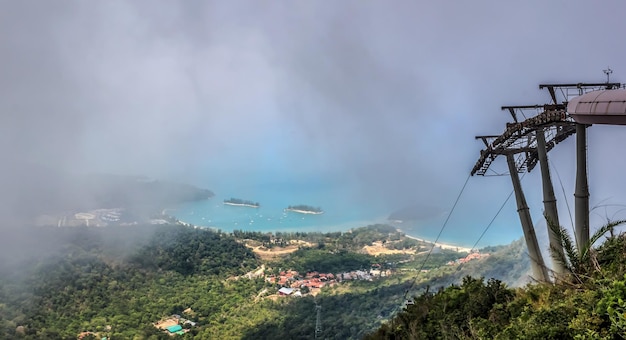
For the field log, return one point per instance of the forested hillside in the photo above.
(587, 303)
(117, 282)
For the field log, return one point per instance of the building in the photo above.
(285, 291)
(175, 329)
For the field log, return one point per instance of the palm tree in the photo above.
(579, 262)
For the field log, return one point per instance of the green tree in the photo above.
(579, 262)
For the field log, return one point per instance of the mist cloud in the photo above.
(386, 96)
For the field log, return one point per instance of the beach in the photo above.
(346, 228)
(305, 211)
(441, 245)
(241, 205)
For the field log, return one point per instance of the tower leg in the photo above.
(537, 265)
(581, 195)
(549, 203)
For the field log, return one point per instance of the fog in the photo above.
(386, 97)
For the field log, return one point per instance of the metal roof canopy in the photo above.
(599, 107)
(519, 138)
(578, 89)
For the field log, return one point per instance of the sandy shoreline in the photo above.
(447, 246)
(305, 211)
(241, 205)
(440, 245)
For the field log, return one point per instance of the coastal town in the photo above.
(292, 282)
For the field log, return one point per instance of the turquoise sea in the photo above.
(272, 217)
(344, 209)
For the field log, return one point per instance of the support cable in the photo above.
(490, 223)
(439, 235)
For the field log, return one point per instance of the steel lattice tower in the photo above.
(526, 143)
(318, 321)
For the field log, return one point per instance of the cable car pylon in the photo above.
(531, 140)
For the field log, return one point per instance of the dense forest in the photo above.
(118, 281)
(352, 240)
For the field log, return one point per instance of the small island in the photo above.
(305, 209)
(241, 203)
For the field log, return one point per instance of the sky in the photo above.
(386, 96)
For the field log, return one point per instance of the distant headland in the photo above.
(305, 209)
(241, 203)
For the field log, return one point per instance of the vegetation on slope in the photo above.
(588, 303)
(85, 283)
(352, 240)
(193, 250)
(351, 311)
(118, 281)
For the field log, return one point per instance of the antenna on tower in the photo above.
(318, 321)
(608, 72)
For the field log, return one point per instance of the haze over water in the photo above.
(359, 108)
(343, 210)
